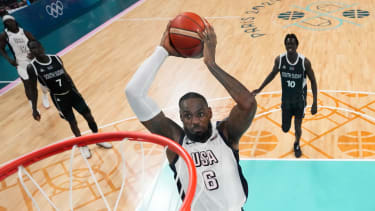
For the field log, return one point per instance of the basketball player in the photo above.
(293, 68)
(214, 147)
(17, 39)
(50, 72)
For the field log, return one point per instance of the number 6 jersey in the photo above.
(52, 75)
(293, 78)
(221, 185)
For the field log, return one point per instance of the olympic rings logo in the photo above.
(55, 9)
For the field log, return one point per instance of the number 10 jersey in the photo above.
(293, 78)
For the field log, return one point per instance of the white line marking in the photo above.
(354, 143)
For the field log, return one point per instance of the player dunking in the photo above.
(293, 68)
(17, 40)
(50, 72)
(213, 147)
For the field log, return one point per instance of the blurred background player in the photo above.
(17, 38)
(293, 68)
(51, 73)
(214, 147)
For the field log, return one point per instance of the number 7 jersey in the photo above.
(220, 182)
(52, 75)
(293, 78)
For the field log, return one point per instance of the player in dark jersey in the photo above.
(50, 72)
(293, 68)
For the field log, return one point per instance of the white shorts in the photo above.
(22, 69)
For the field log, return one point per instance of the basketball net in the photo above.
(20, 164)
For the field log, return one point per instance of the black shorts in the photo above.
(296, 109)
(65, 102)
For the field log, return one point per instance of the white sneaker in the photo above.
(86, 152)
(105, 145)
(45, 101)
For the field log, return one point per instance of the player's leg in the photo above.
(90, 121)
(298, 133)
(26, 86)
(286, 117)
(45, 101)
(80, 105)
(69, 116)
(74, 126)
(63, 104)
(299, 114)
(22, 73)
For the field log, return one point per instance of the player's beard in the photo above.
(203, 137)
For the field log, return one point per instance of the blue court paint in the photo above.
(295, 185)
(310, 185)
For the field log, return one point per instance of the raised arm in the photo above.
(314, 87)
(33, 91)
(270, 76)
(243, 112)
(3, 52)
(145, 108)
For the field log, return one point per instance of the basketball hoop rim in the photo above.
(11, 167)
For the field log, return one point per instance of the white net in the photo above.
(131, 176)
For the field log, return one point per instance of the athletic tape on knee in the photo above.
(136, 91)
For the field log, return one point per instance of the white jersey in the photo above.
(18, 43)
(18, 46)
(220, 183)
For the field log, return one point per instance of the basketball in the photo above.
(183, 34)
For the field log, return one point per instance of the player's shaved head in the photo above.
(190, 95)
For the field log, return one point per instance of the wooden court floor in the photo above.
(335, 35)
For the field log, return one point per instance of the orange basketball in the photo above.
(183, 34)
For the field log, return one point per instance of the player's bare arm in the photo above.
(314, 87)
(3, 52)
(243, 112)
(33, 92)
(164, 126)
(30, 37)
(270, 77)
